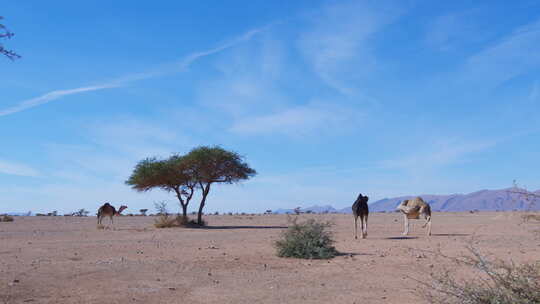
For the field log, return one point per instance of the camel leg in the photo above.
(429, 226)
(362, 226)
(406, 225)
(427, 218)
(355, 227)
(364, 230)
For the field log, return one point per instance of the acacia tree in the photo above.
(6, 34)
(210, 165)
(172, 174)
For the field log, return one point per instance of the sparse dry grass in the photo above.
(496, 282)
(165, 221)
(531, 217)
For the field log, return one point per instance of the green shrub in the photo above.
(497, 282)
(308, 240)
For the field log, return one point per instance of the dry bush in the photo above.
(189, 223)
(6, 218)
(165, 221)
(308, 240)
(168, 221)
(496, 282)
(531, 217)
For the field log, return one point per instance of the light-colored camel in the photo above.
(108, 210)
(413, 209)
(360, 209)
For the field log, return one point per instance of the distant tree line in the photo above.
(185, 174)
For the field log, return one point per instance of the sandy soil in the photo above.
(68, 260)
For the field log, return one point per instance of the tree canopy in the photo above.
(200, 168)
(171, 174)
(6, 34)
(216, 165)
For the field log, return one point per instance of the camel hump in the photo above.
(418, 199)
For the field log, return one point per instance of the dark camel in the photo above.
(108, 210)
(360, 209)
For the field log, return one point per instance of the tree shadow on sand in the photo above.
(351, 254)
(402, 238)
(433, 234)
(239, 227)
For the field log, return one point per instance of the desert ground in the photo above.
(68, 260)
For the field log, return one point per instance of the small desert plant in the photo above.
(164, 220)
(6, 218)
(497, 282)
(308, 240)
(531, 217)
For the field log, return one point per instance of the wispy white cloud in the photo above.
(297, 120)
(45, 98)
(429, 156)
(113, 147)
(181, 65)
(338, 43)
(137, 138)
(189, 59)
(13, 168)
(512, 56)
(457, 29)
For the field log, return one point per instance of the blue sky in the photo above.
(325, 99)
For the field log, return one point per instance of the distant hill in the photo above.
(483, 200)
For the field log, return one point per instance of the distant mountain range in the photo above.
(484, 200)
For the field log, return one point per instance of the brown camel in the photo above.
(360, 209)
(412, 209)
(108, 210)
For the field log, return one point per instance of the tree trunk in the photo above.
(184, 205)
(184, 210)
(205, 191)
